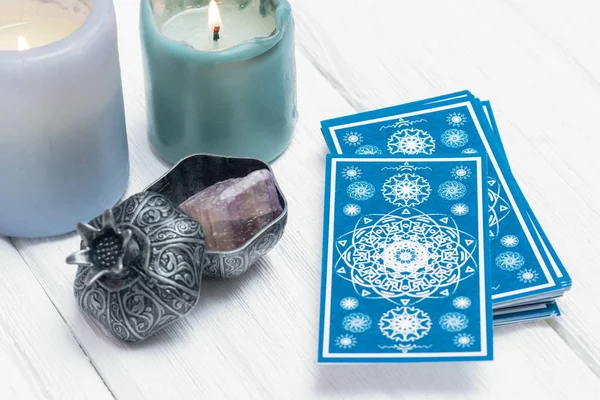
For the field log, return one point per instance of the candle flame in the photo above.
(214, 16)
(22, 44)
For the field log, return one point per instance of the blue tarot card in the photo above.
(557, 266)
(404, 260)
(485, 113)
(521, 271)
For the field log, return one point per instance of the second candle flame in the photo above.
(214, 16)
(22, 44)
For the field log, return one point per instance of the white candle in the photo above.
(34, 23)
(239, 24)
(63, 145)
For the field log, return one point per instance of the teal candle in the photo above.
(235, 96)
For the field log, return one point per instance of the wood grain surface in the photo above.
(256, 337)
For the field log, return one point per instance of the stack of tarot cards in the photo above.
(428, 239)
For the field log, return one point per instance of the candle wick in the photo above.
(216, 33)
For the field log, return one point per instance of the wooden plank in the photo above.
(39, 357)
(256, 337)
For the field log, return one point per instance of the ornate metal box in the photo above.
(141, 263)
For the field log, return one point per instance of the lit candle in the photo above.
(33, 23)
(220, 78)
(235, 27)
(63, 145)
(22, 44)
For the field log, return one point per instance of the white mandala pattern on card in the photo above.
(406, 190)
(527, 276)
(405, 324)
(346, 341)
(361, 191)
(352, 210)
(454, 138)
(453, 322)
(461, 302)
(353, 139)
(406, 254)
(351, 173)
(411, 141)
(459, 209)
(510, 260)
(469, 150)
(498, 207)
(456, 119)
(509, 241)
(368, 150)
(349, 303)
(357, 322)
(464, 340)
(452, 190)
(461, 172)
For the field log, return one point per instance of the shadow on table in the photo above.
(439, 378)
(442, 378)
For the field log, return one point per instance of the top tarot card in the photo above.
(404, 261)
(521, 270)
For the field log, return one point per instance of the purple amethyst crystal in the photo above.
(233, 211)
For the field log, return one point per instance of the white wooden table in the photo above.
(256, 337)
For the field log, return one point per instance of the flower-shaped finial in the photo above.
(104, 248)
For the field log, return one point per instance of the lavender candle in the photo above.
(63, 145)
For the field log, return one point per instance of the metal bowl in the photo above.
(199, 171)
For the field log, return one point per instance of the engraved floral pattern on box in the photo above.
(162, 271)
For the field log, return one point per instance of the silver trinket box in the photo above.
(141, 263)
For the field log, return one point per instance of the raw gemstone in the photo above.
(235, 210)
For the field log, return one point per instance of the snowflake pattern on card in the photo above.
(454, 322)
(510, 260)
(509, 241)
(461, 302)
(406, 190)
(351, 173)
(411, 141)
(349, 303)
(456, 119)
(357, 322)
(459, 209)
(464, 340)
(461, 172)
(452, 190)
(405, 324)
(353, 139)
(346, 341)
(361, 191)
(528, 276)
(455, 138)
(352, 210)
